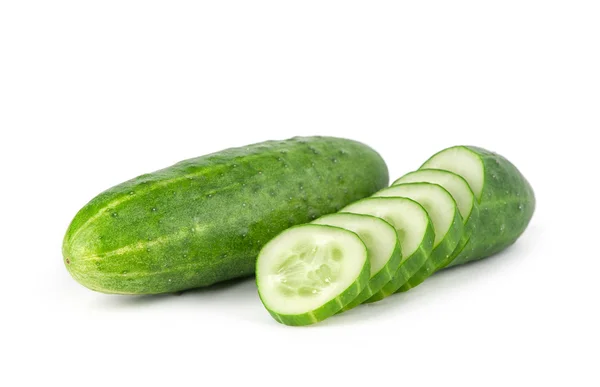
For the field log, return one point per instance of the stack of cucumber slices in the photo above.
(465, 203)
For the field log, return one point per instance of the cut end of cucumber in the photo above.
(462, 161)
(302, 272)
(308, 269)
(438, 203)
(383, 248)
(377, 235)
(407, 216)
(457, 186)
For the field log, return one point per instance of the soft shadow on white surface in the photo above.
(239, 290)
(238, 299)
(449, 280)
(233, 300)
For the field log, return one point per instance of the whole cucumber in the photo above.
(204, 220)
(506, 199)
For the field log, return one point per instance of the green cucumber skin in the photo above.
(506, 206)
(440, 254)
(385, 275)
(377, 283)
(469, 224)
(469, 228)
(409, 267)
(204, 220)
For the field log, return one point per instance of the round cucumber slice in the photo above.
(310, 272)
(446, 219)
(455, 184)
(506, 199)
(460, 190)
(383, 248)
(415, 233)
(462, 161)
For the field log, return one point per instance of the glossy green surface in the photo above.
(204, 220)
(506, 205)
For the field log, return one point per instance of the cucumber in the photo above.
(446, 219)
(383, 248)
(310, 272)
(460, 190)
(506, 199)
(415, 233)
(204, 220)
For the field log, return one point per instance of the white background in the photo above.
(94, 93)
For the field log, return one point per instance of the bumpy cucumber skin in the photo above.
(333, 306)
(204, 220)
(506, 206)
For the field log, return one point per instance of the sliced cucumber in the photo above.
(310, 272)
(455, 184)
(460, 190)
(415, 233)
(506, 199)
(446, 219)
(383, 248)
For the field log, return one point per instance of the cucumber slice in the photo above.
(383, 248)
(415, 233)
(310, 272)
(460, 190)
(455, 184)
(446, 219)
(506, 199)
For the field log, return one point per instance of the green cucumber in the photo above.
(460, 190)
(204, 220)
(446, 219)
(415, 233)
(382, 244)
(506, 199)
(310, 272)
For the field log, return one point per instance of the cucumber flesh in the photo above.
(463, 162)
(310, 272)
(506, 199)
(382, 244)
(415, 233)
(455, 184)
(446, 219)
(460, 190)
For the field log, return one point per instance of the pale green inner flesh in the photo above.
(306, 269)
(439, 204)
(377, 235)
(458, 187)
(463, 162)
(407, 217)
